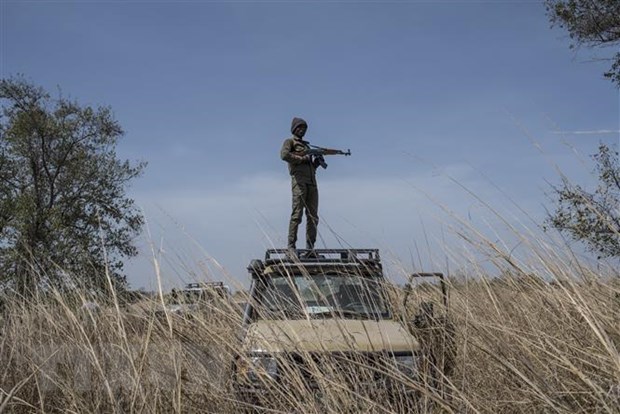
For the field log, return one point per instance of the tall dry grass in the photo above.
(531, 347)
(524, 345)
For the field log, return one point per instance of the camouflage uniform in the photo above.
(303, 182)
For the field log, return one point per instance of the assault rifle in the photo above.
(319, 152)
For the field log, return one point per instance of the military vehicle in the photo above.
(318, 320)
(197, 297)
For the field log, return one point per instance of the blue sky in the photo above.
(429, 97)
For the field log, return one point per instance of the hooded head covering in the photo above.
(298, 122)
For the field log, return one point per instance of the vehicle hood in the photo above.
(328, 335)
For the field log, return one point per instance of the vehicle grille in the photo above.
(351, 370)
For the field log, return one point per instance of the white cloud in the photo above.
(590, 132)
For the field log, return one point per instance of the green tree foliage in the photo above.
(64, 214)
(592, 23)
(593, 218)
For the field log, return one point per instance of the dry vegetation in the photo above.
(523, 346)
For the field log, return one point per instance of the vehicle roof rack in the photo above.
(323, 256)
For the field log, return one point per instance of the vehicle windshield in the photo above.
(321, 296)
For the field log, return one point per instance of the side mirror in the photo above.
(256, 266)
(442, 283)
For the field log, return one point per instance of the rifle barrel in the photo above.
(331, 151)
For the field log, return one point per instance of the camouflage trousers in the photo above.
(305, 197)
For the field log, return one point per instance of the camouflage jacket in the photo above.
(301, 169)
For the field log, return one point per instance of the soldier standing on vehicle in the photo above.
(302, 168)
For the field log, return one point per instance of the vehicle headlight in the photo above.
(263, 366)
(407, 365)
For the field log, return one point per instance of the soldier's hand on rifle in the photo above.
(303, 156)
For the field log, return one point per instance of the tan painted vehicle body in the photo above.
(323, 326)
(329, 335)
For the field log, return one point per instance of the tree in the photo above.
(593, 218)
(64, 214)
(592, 23)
